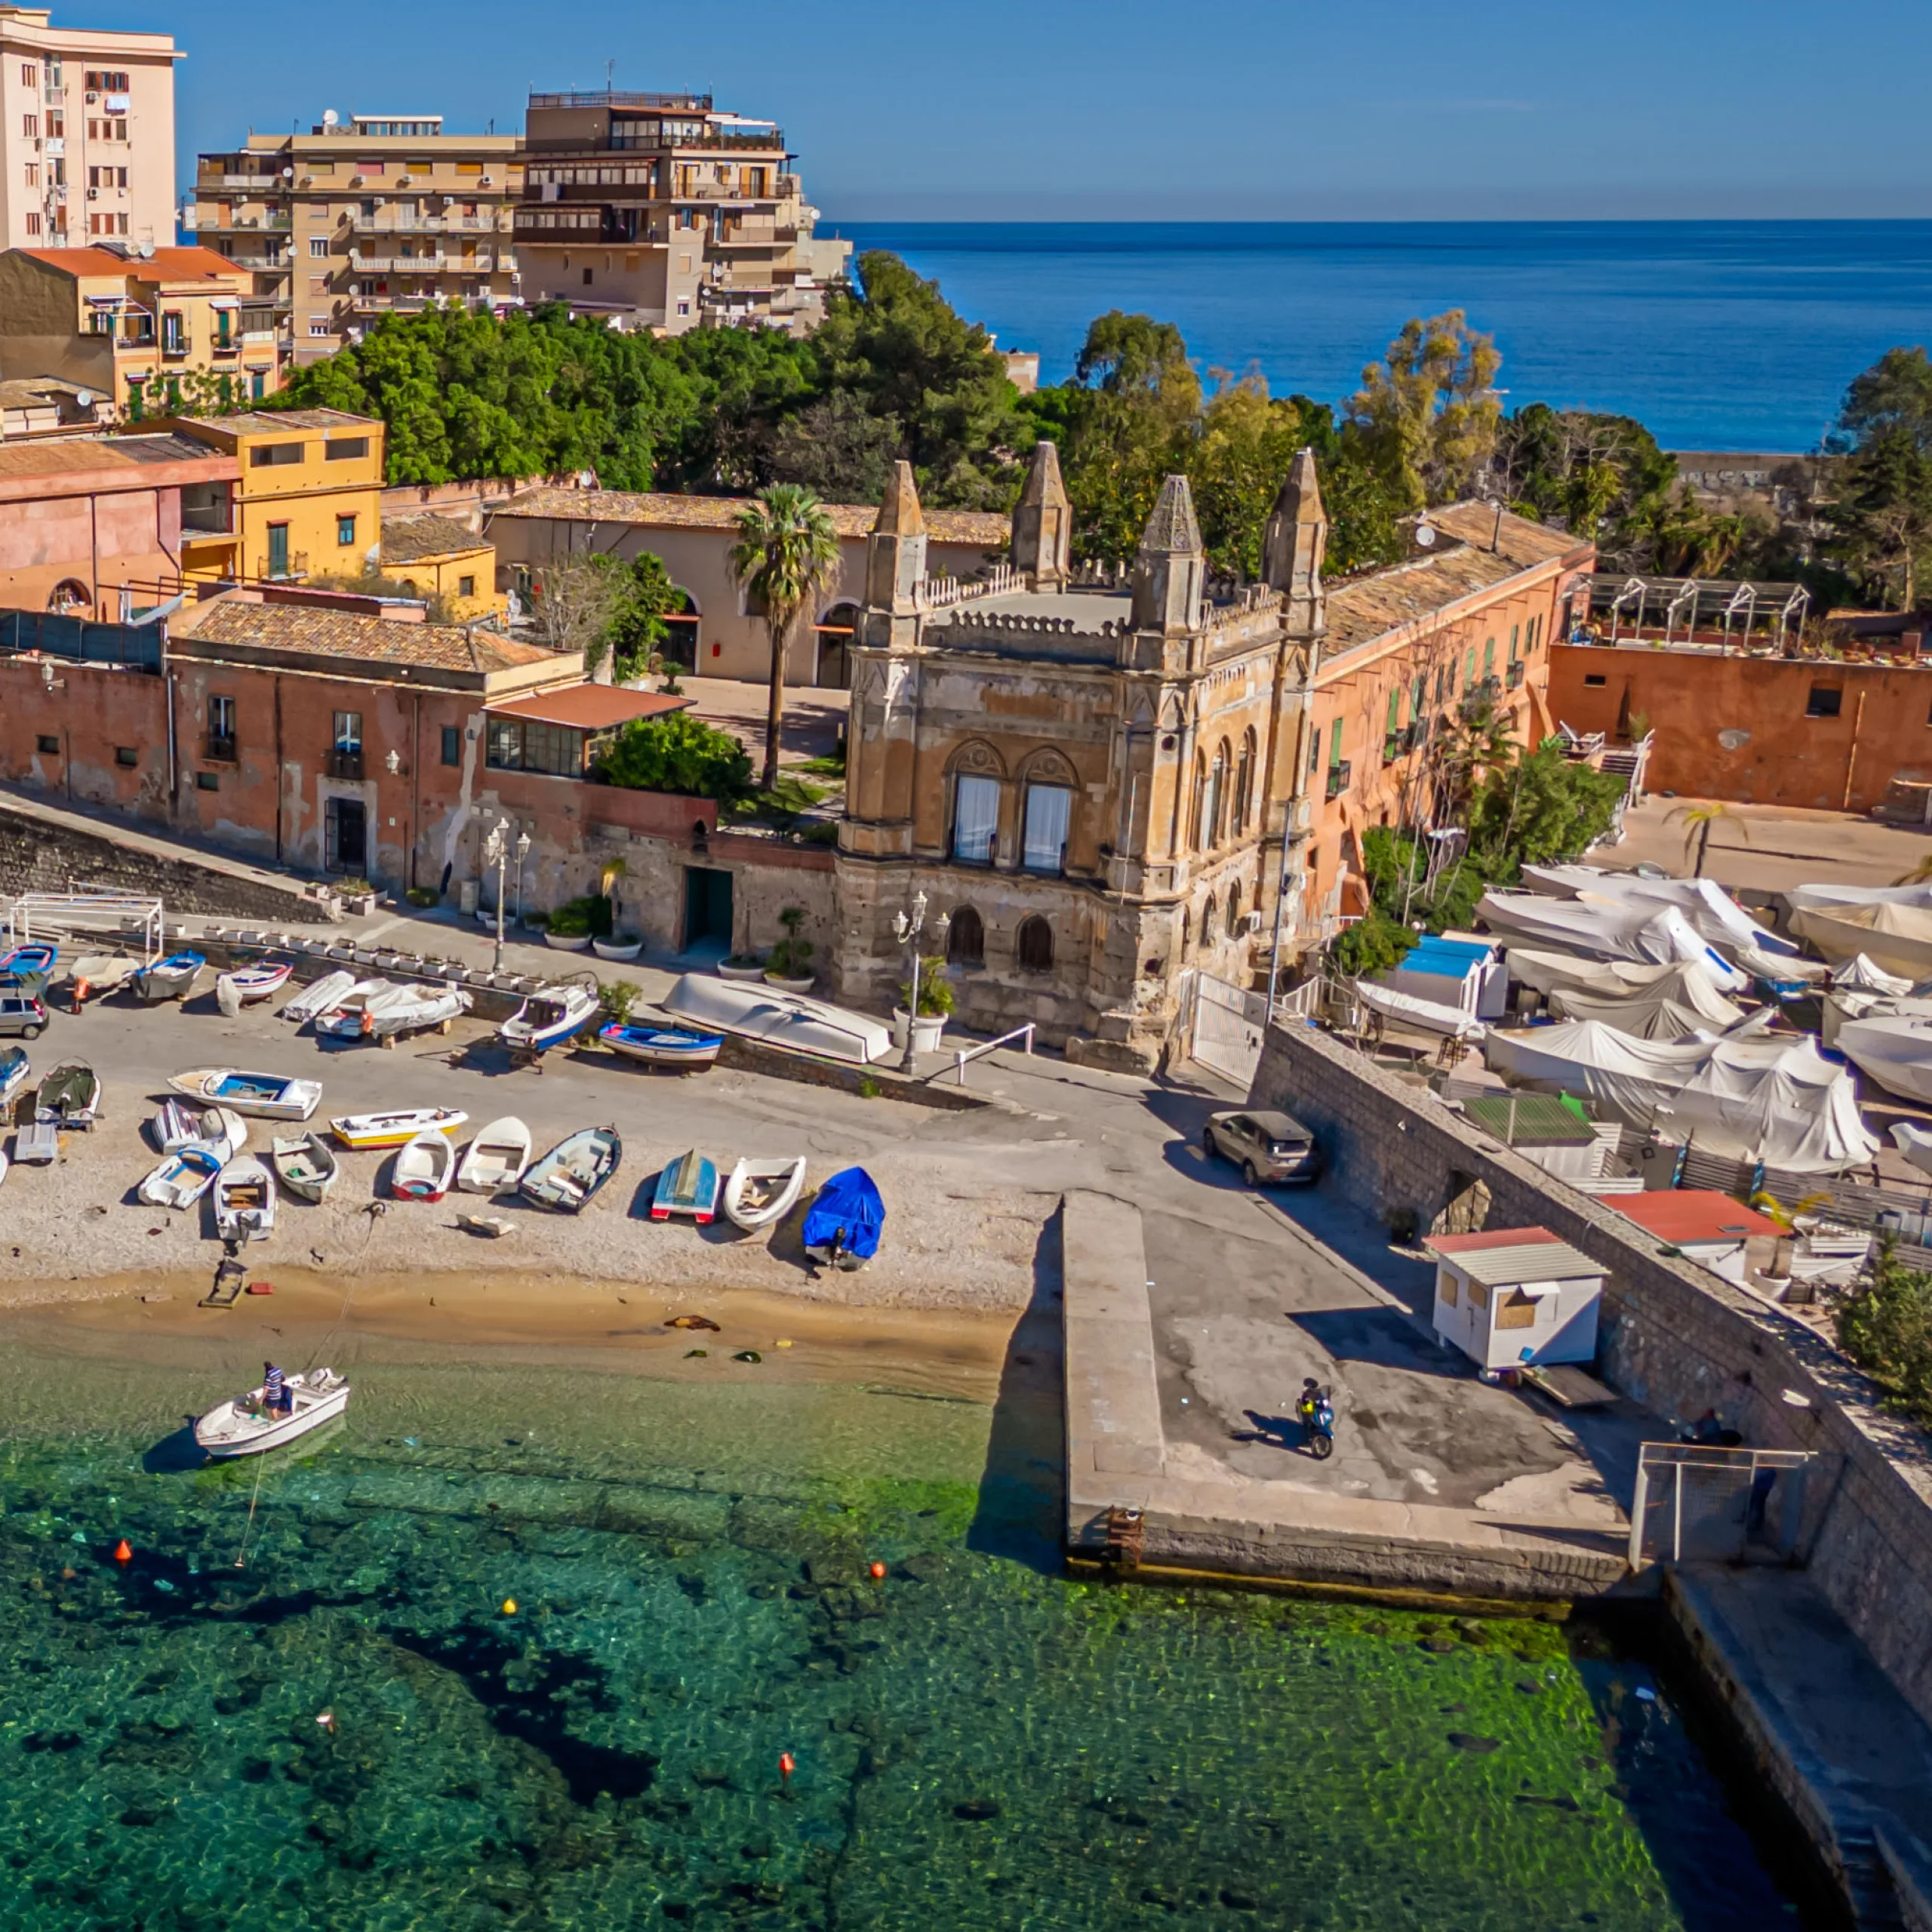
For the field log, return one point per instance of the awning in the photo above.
(224, 301)
(587, 707)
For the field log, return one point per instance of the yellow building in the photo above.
(309, 500)
(147, 331)
(436, 556)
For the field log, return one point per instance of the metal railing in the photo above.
(1701, 1502)
(962, 1055)
(345, 763)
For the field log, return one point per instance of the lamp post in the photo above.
(497, 852)
(908, 930)
(522, 854)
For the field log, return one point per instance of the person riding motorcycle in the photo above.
(1316, 1409)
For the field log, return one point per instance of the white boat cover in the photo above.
(1607, 979)
(1713, 914)
(1779, 1100)
(1682, 1001)
(1811, 898)
(1644, 934)
(786, 1020)
(1431, 1016)
(1860, 976)
(1894, 1049)
(1914, 1143)
(1895, 938)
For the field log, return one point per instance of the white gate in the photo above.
(1223, 1028)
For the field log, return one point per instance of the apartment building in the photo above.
(141, 331)
(348, 223)
(87, 133)
(663, 211)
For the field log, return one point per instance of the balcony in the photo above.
(239, 224)
(240, 181)
(1338, 775)
(219, 751)
(345, 763)
(388, 222)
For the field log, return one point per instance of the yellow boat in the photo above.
(365, 1132)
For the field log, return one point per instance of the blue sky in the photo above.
(1225, 109)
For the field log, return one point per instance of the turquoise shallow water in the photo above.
(979, 1742)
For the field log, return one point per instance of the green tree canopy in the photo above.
(1428, 412)
(677, 753)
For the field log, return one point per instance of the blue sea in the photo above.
(1717, 335)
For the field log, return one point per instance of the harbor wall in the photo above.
(1675, 1337)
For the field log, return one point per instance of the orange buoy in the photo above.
(787, 1764)
(877, 1573)
(124, 1552)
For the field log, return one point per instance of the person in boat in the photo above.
(277, 1397)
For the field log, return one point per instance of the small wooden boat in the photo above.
(244, 1200)
(69, 1096)
(681, 1048)
(179, 1124)
(845, 1220)
(688, 1186)
(246, 1425)
(182, 1179)
(549, 1018)
(318, 998)
(494, 1225)
(760, 1193)
(15, 1070)
(269, 1096)
(568, 1177)
(353, 1015)
(424, 1169)
(496, 1159)
(28, 968)
(247, 984)
(95, 975)
(171, 978)
(365, 1133)
(306, 1165)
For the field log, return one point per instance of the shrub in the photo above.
(617, 997)
(1885, 1326)
(677, 753)
(352, 888)
(587, 917)
(1373, 944)
(936, 998)
(422, 895)
(790, 956)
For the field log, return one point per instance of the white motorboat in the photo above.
(306, 1165)
(318, 998)
(496, 1159)
(417, 1008)
(365, 1133)
(246, 1425)
(179, 1124)
(271, 1095)
(244, 1200)
(424, 1168)
(760, 1193)
(182, 1179)
(247, 984)
(549, 1018)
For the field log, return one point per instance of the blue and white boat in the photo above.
(549, 1018)
(182, 1179)
(269, 1096)
(568, 1177)
(171, 978)
(687, 1185)
(28, 968)
(845, 1220)
(15, 1071)
(678, 1047)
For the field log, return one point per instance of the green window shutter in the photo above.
(1335, 743)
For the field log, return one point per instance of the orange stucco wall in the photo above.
(1740, 728)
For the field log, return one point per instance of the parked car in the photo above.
(22, 1013)
(1269, 1147)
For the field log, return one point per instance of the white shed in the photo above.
(1516, 1295)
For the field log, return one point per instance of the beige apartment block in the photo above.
(87, 133)
(348, 223)
(662, 211)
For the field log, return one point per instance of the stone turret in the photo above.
(1171, 566)
(1294, 546)
(1043, 524)
(896, 551)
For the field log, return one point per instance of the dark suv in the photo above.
(1268, 1147)
(22, 1013)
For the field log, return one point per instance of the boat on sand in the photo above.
(244, 1200)
(687, 1185)
(761, 1193)
(179, 1123)
(569, 1177)
(680, 1048)
(365, 1132)
(68, 1096)
(171, 978)
(845, 1220)
(270, 1096)
(549, 1018)
(496, 1159)
(306, 1165)
(246, 1425)
(182, 1179)
(424, 1168)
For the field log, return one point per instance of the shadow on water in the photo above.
(174, 1455)
(1023, 1487)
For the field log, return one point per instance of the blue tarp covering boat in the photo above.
(845, 1220)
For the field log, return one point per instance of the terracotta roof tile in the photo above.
(78, 456)
(663, 510)
(163, 265)
(372, 640)
(408, 539)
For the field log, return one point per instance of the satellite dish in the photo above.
(84, 398)
(331, 118)
(288, 175)
(1424, 536)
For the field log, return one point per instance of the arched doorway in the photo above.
(680, 647)
(835, 630)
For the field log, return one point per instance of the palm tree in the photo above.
(1698, 821)
(786, 552)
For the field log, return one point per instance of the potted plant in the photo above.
(613, 942)
(790, 966)
(422, 896)
(356, 896)
(742, 966)
(935, 1005)
(569, 929)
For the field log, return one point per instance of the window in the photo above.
(127, 756)
(341, 449)
(453, 745)
(1515, 632)
(1469, 672)
(1825, 702)
(1489, 658)
(1209, 826)
(277, 549)
(1234, 908)
(1335, 744)
(514, 745)
(318, 244)
(317, 327)
(47, 746)
(1516, 1310)
(1207, 924)
(30, 126)
(586, 278)
(1594, 677)
(975, 819)
(1394, 724)
(1048, 809)
(1244, 784)
(269, 456)
(207, 781)
(966, 939)
(1449, 1295)
(221, 720)
(348, 731)
(33, 224)
(258, 386)
(345, 530)
(466, 586)
(1034, 949)
(29, 75)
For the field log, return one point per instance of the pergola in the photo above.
(1684, 604)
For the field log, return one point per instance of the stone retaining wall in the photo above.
(1674, 1336)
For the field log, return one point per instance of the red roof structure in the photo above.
(1684, 1215)
(587, 707)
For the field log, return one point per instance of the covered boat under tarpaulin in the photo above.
(847, 1216)
(1858, 975)
(1680, 1000)
(1712, 913)
(1892, 1047)
(1811, 898)
(1644, 934)
(1607, 979)
(1430, 1016)
(1896, 939)
(1778, 1101)
(1837, 1011)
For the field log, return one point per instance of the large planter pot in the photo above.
(574, 943)
(789, 985)
(726, 970)
(928, 1030)
(626, 947)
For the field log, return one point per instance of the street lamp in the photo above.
(497, 852)
(908, 931)
(522, 854)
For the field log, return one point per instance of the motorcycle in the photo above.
(1318, 1427)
